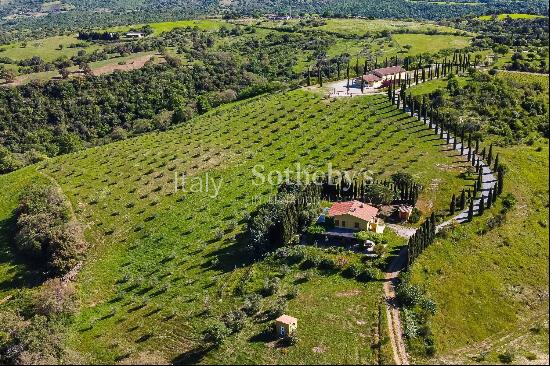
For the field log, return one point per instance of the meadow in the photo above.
(360, 27)
(490, 278)
(165, 263)
(512, 16)
(46, 48)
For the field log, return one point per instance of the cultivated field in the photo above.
(166, 263)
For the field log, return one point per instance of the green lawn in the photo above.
(157, 263)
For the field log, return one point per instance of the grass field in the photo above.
(158, 271)
(432, 85)
(46, 48)
(421, 43)
(513, 16)
(486, 284)
(491, 286)
(360, 27)
(98, 67)
(158, 28)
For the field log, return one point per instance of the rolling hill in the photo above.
(165, 263)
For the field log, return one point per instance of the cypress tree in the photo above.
(495, 190)
(477, 147)
(481, 205)
(453, 205)
(469, 146)
(471, 210)
(463, 200)
(490, 198)
(455, 137)
(500, 180)
(483, 154)
(490, 155)
(480, 180)
(347, 73)
(496, 164)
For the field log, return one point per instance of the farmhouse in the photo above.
(285, 325)
(372, 80)
(356, 215)
(389, 72)
(376, 78)
(134, 35)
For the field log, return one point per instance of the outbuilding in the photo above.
(285, 325)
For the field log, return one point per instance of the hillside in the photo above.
(490, 278)
(166, 263)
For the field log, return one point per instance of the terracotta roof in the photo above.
(286, 319)
(369, 78)
(354, 208)
(388, 71)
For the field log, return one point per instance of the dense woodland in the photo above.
(492, 105)
(77, 14)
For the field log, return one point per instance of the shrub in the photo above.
(508, 202)
(506, 357)
(215, 334)
(311, 261)
(46, 230)
(410, 326)
(316, 229)
(234, 320)
(55, 297)
(352, 271)
(367, 275)
(252, 304)
(409, 295)
(292, 293)
(415, 216)
(8, 161)
(327, 264)
(428, 305)
(279, 307)
(271, 286)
